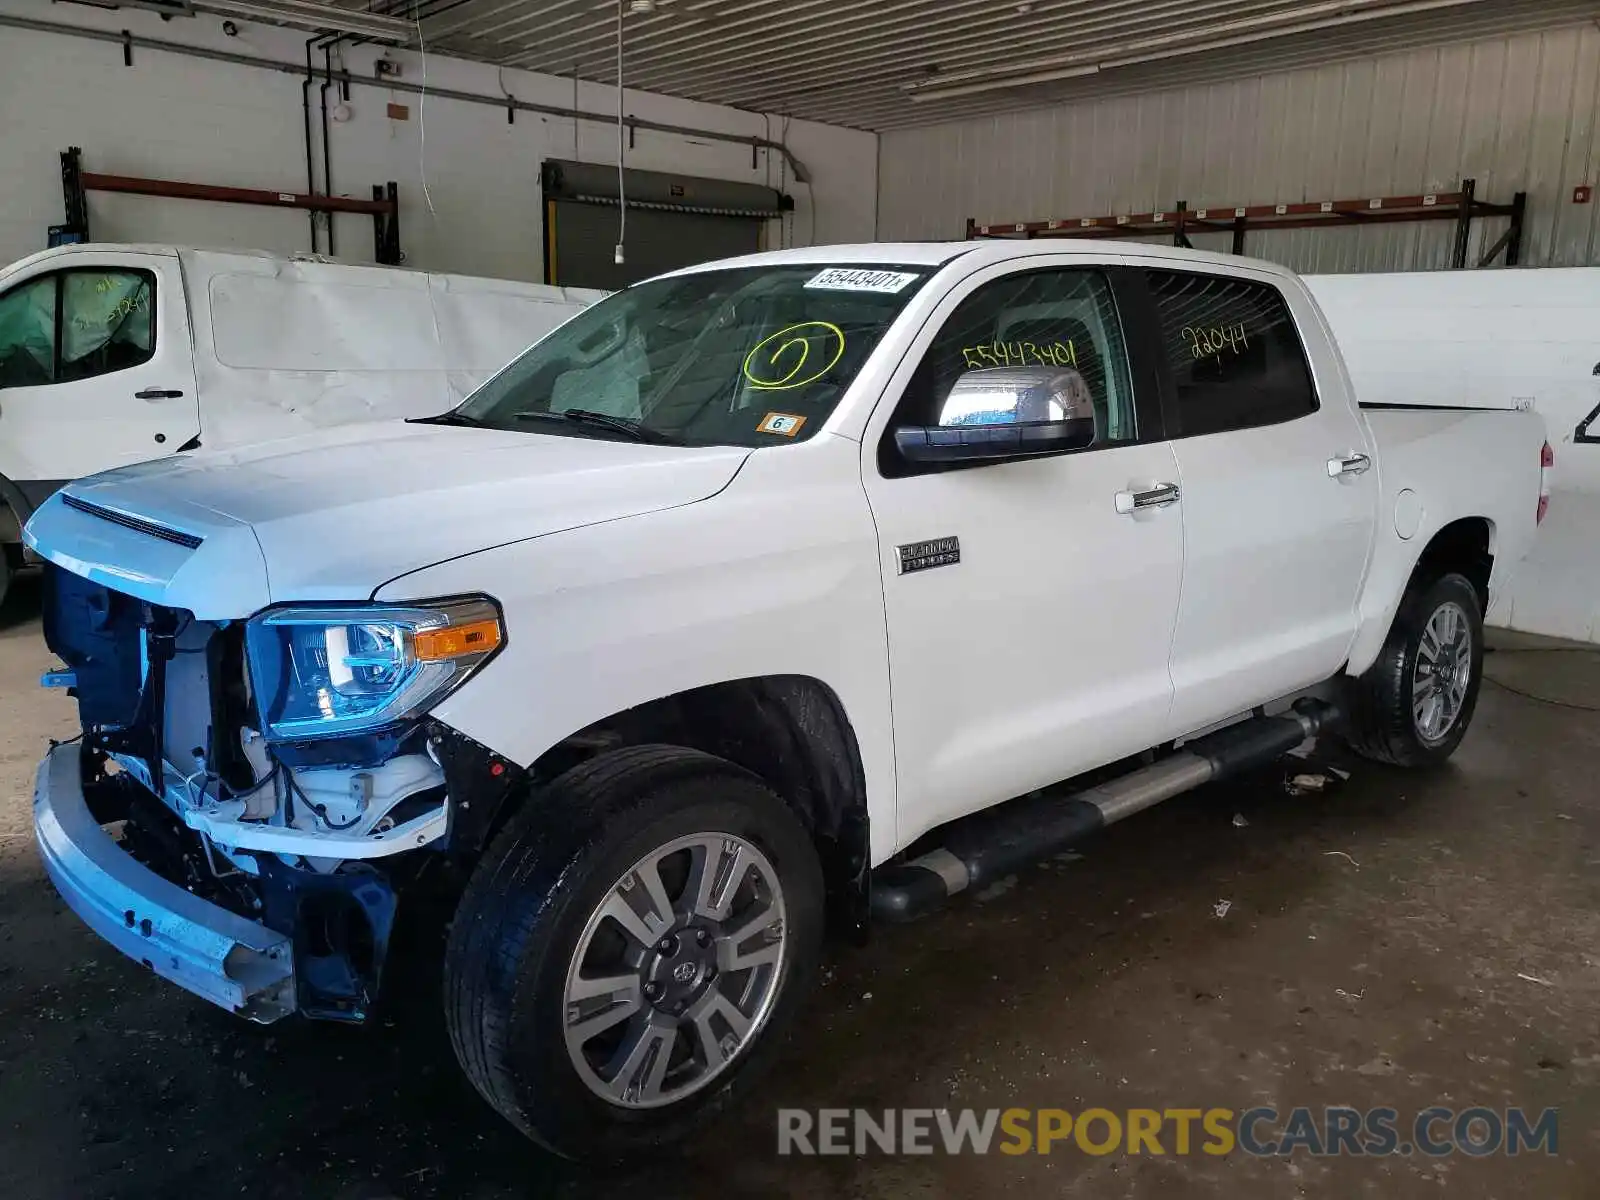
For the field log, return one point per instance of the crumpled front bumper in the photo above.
(220, 956)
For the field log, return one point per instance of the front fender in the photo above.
(776, 575)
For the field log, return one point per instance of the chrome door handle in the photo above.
(1352, 464)
(1159, 496)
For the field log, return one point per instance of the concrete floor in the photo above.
(1373, 953)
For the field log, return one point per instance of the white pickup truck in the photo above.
(695, 630)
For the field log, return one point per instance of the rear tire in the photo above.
(568, 900)
(1414, 704)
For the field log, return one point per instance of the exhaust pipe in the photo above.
(987, 846)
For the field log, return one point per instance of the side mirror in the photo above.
(999, 413)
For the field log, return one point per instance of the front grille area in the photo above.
(152, 683)
(176, 536)
(98, 633)
(119, 649)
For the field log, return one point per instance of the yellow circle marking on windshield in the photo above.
(795, 339)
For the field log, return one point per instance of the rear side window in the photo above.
(1233, 352)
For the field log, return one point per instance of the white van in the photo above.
(116, 354)
(1523, 338)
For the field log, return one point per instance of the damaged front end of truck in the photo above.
(249, 798)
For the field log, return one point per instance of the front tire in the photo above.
(1414, 704)
(629, 951)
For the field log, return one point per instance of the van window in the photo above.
(1233, 352)
(76, 324)
(107, 322)
(28, 333)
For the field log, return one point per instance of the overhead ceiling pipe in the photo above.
(327, 18)
(801, 173)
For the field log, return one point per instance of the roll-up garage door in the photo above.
(673, 221)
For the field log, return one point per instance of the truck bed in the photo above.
(1496, 339)
(1434, 461)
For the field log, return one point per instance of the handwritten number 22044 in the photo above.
(1210, 343)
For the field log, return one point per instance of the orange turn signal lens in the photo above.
(456, 641)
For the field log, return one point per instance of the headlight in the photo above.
(333, 671)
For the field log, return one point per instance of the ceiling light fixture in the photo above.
(1160, 48)
(1397, 10)
(922, 93)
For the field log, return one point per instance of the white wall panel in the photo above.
(1515, 113)
(178, 117)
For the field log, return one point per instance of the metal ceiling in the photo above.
(886, 64)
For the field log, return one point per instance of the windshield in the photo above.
(752, 356)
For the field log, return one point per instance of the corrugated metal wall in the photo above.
(1515, 113)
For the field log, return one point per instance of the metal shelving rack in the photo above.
(1180, 221)
(384, 207)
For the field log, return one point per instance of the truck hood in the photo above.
(334, 515)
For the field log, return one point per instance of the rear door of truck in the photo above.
(1279, 483)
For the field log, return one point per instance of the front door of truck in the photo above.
(1280, 493)
(96, 368)
(1030, 603)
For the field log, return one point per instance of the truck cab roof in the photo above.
(984, 250)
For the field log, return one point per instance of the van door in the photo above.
(96, 369)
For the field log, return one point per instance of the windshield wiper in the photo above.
(449, 418)
(634, 430)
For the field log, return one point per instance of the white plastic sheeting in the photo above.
(287, 344)
(1497, 339)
